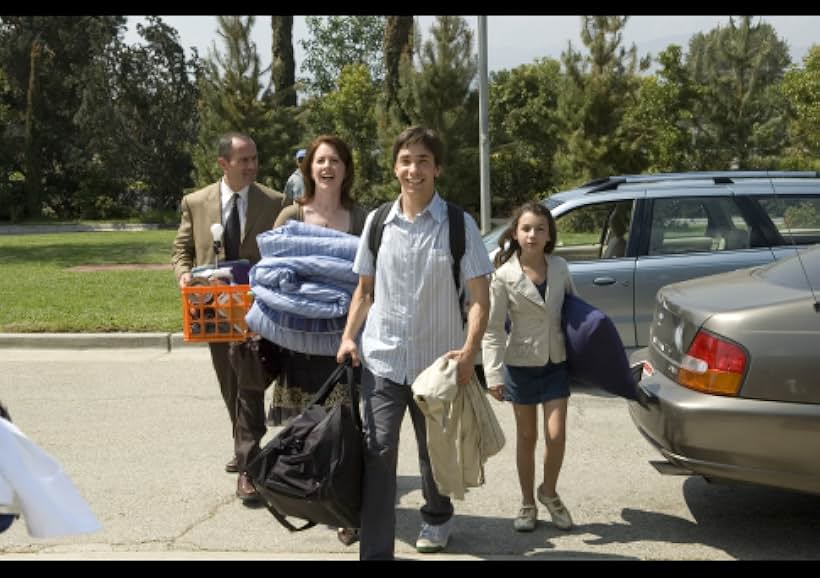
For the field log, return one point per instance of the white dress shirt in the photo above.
(225, 195)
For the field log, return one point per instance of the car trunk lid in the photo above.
(765, 310)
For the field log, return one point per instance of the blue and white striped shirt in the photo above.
(415, 318)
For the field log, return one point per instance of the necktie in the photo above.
(233, 232)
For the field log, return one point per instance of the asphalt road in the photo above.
(144, 436)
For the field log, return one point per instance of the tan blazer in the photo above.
(536, 336)
(194, 244)
(462, 430)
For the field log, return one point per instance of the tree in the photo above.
(440, 95)
(348, 112)
(136, 116)
(801, 88)
(12, 192)
(235, 98)
(67, 52)
(33, 166)
(398, 46)
(600, 87)
(524, 132)
(283, 67)
(336, 41)
(661, 122)
(741, 114)
(156, 82)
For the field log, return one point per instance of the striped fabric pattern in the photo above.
(302, 287)
(415, 317)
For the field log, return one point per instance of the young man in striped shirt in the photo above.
(411, 307)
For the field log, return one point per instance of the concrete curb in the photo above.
(175, 341)
(163, 341)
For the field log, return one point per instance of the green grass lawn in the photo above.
(40, 293)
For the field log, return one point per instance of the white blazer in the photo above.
(34, 483)
(535, 335)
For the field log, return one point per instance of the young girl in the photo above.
(528, 365)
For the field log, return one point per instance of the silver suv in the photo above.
(625, 237)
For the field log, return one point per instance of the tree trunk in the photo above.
(398, 34)
(33, 160)
(283, 67)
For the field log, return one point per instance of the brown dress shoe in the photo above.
(348, 536)
(232, 467)
(245, 490)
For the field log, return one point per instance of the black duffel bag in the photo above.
(312, 469)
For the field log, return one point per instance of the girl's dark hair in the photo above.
(507, 243)
(346, 157)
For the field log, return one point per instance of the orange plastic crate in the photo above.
(215, 312)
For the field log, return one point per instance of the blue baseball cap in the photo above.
(300, 154)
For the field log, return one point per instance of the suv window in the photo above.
(796, 218)
(692, 225)
(595, 231)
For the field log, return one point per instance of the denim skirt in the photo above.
(536, 384)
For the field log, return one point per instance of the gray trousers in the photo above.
(226, 377)
(383, 405)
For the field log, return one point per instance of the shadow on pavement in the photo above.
(489, 537)
(747, 522)
(484, 536)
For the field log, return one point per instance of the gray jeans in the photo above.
(383, 405)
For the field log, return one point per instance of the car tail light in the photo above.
(712, 365)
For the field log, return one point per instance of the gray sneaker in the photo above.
(527, 519)
(433, 538)
(558, 511)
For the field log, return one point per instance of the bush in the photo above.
(12, 198)
(802, 215)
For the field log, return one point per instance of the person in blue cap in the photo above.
(295, 187)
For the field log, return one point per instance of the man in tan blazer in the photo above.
(257, 206)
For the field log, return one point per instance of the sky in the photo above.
(516, 40)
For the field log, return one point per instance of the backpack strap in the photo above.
(377, 230)
(455, 216)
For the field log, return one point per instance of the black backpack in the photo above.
(455, 216)
(312, 469)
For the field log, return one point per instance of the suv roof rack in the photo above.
(603, 184)
(718, 177)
